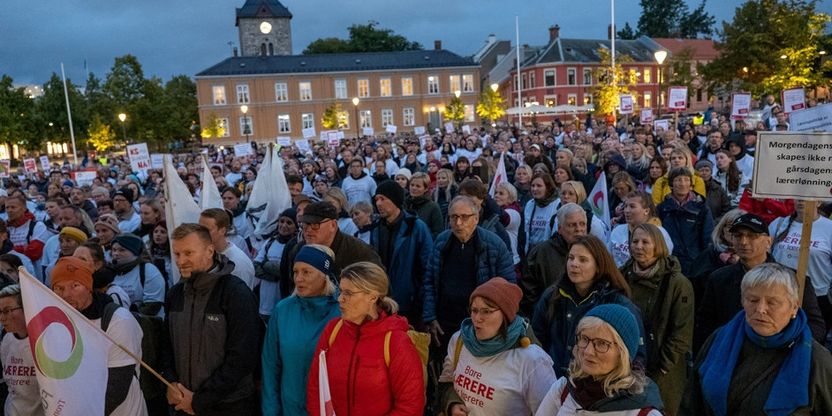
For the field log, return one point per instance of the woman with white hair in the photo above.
(295, 325)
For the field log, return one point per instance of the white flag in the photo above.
(210, 196)
(69, 351)
(269, 196)
(180, 208)
(500, 175)
(324, 396)
(599, 201)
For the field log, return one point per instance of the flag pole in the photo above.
(69, 116)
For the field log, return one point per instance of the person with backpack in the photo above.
(491, 364)
(214, 331)
(27, 235)
(602, 378)
(373, 366)
(139, 278)
(295, 325)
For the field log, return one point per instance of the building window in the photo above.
(281, 92)
(344, 119)
(284, 125)
(550, 100)
(409, 116)
(385, 87)
(571, 76)
(363, 88)
(386, 117)
(587, 99)
(587, 76)
(225, 130)
(648, 75)
(366, 118)
(572, 99)
(523, 80)
(433, 84)
(219, 94)
(242, 94)
(531, 80)
(699, 95)
(307, 120)
(455, 84)
(246, 126)
(633, 75)
(407, 87)
(468, 83)
(514, 85)
(648, 100)
(468, 110)
(549, 77)
(341, 89)
(305, 89)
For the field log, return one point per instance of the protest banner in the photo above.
(663, 124)
(368, 131)
(5, 168)
(500, 175)
(181, 207)
(210, 196)
(466, 129)
(157, 161)
(677, 98)
(139, 156)
(44, 164)
(308, 133)
(30, 165)
(740, 106)
(793, 99)
(269, 196)
(449, 127)
(243, 149)
(646, 116)
(391, 129)
(284, 141)
(84, 177)
(815, 119)
(625, 104)
(599, 201)
(419, 130)
(340, 134)
(303, 146)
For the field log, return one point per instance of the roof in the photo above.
(506, 65)
(586, 50)
(341, 62)
(703, 49)
(263, 9)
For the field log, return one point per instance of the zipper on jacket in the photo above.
(349, 371)
(191, 346)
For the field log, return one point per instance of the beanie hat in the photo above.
(624, 323)
(130, 242)
(703, 163)
(110, 221)
(501, 292)
(126, 192)
(317, 259)
(291, 214)
(72, 268)
(74, 233)
(403, 172)
(392, 191)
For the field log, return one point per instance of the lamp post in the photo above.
(246, 128)
(660, 56)
(355, 102)
(122, 117)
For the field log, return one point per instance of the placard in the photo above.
(646, 116)
(5, 168)
(303, 146)
(340, 134)
(333, 141)
(466, 129)
(44, 163)
(84, 177)
(139, 156)
(740, 106)
(664, 124)
(284, 141)
(157, 161)
(308, 133)
(30, 165)
(391, 129)
(677, 98)
(423, 140)
(449, 127)
(793, 166)
(367, 131)
(625, 105)
(242, 149)
(419, 130)
(812, 119)
(793, 99)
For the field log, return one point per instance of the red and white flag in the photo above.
(324, 396)
(500, 175)
(69, 351)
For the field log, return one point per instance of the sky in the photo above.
(174, 37)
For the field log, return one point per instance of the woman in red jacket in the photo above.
(365, 377)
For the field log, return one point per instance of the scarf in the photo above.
(587, 391)
(126, 267)
(789, 390)
(493, 346)
(644, 273)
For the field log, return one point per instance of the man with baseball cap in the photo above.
(722, 297)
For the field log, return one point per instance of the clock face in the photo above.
(265, 27)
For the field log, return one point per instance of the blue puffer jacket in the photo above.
(554, 320)
(411, 250)
(493, 259)
(689, 226)
(294, 328)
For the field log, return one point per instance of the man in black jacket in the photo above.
(214, 331)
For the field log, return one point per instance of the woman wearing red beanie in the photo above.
(493, 367)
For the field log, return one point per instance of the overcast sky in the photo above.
(172, 37)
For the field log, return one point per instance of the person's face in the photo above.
(592, 361)
(160, 236)
(85, 255)
(462, 165)
(750, 246)
(355, 304)
(11, 315)
(634, 212)
(666, 150)
(321, 187)
(121, 205)
(295, 189)
(560, 175)
(432, 168)
(69, 219)
(768, 309)
(621, 189)
(14, 208)
(360, 218)
(655, 170)
(192, 255)
(573, 227)
(643, 248)
(308, 169)
(250, 176)
(715, 141)
(74, 293)
(402, 181)
(487, 320)
(636, 152)
(677, 161)
(538, 188)
(704, 173)
(580, 266)
(681, 186)
(442, 180)
(230, 201)
(561, 159)
(417, 188)
(148, 215)
(386, 208)
(100, 197)
(324, 233)
(120, 254)
(9, 270)
(217, 234)
(309, 281)
(77, 196)
(286, 226)
(568, 194)
(67, 245)
(463, 219)
(53, 210)
(355, 169)
(501, 197)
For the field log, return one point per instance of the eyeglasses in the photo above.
(10, 310)
(349, 293)
(485, 312)
(600, 345)
(464, 217)
(314, 227)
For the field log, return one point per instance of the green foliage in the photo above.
(672, 19)
(681, 68)
(455, 110)
(213, 127)
(363, 38)
(16, 115)
(125, 81)
(761, 33)
(605, 93)
(626, 33)
(100, 136)
(491, 106)
(333, 117)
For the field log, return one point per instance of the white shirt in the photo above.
(361, 189)
(125, 330)
(786, 251)
(243, 267)
(154, 285)
(131, 223)
(270, 291)
(619, 243)
(19, 372)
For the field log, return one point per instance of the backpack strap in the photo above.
(457, 351)
(565, 393)
(142, 274)
(387, 347)
(337, 328)
(31, 232)
(107, 315)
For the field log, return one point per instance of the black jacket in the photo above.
(545, 267)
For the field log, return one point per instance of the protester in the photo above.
(267, 262)
(218, 222)
(128, 219)
(445, 191)
(103, 275)
(505, 195)
(720, 252)
(336, 197)
(142, 281)
(419, 202)
(686, 217)
(638, 209)
(26, 234)
(539, 213)
(17, 358)
(358, 186)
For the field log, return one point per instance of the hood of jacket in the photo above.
(204, 281)
(650, 397)
(380, 326)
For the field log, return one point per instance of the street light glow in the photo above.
(355, 101)
(244, 108)
(495, 86)
(783, 56)
(822, 53)
(122, 117)
(457, 93)
(660, 56)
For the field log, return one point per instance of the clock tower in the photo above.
(265, 28)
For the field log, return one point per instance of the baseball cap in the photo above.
(318, 212)
(750, 221)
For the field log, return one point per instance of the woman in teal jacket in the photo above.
(300, 318)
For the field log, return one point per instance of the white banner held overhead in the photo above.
(500, 175)
(419, 130)
(646, 116)
(44, 164)
(308, 133)
(210, 196)
(793, 99)
(367, 131)
(139, 157)
(157, 161)
(179, 209)
(269, 196)
(677, 98)
(284, 141)
(625, 104)
(815, 119)
(793, 166)
(243, 149)
(740, 106)
(390, 128)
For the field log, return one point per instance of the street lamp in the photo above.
(494, 87)
(246, 128)
(123, 117)
(355, 102)
(457, 93)
(660, 56)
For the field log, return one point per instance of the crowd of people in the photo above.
(683, 302)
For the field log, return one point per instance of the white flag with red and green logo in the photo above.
(500, 175)
(69, 351)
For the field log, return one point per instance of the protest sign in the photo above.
(793, 99)
(284, 141)
(303, 146)
(664, 124)
(625, 104)
(157, 160)
(391, 129)
(5, 168)
(419, 130)
(466, 129)
(340, 134)
(793, 166)
(84, 177)
(308, 133)
(677, 98)
(646, 116)
(812, 119)
(449, 127)
(30, 165)
(139, 156)
(367, 131)
(242, 149)
(44, 163)
(740, 106)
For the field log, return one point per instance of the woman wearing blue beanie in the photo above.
(602, 378)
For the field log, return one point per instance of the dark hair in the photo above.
(187, 229)
(604, 263)
(107, 202)
(551, 187)
(733, 174)
(95, 249)
(11, 260)
(293, 179)
(233, 190)
(677, 172)
(473, 187)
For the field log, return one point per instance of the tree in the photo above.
(333, 117)
(681, 68)
(627, 32)
(213, 127)
(363, 38)
(672, 19)
(455, 110)
(770, 45)
(51, 117)
(491, 106)
(125, 82)
(100, 136)
(612, 82)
